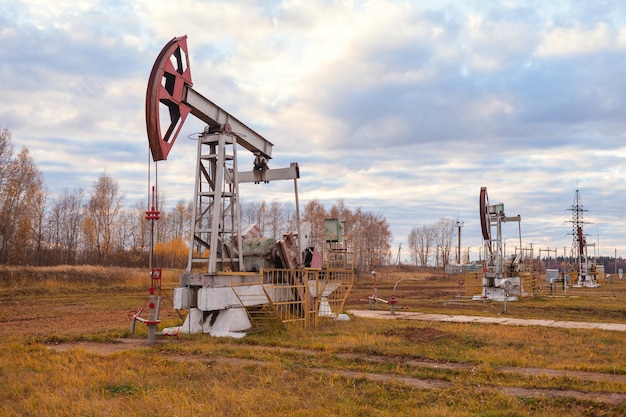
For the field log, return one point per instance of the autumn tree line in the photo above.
(97, 227)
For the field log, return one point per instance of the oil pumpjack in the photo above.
(233, 280)
(501, 281)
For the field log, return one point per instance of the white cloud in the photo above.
(576, 40)
(403, 108)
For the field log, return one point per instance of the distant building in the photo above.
(461, 268)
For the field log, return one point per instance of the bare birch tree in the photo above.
(274, 220)
(103, 210)
(421, 241)
(444, 235)
(65, 220)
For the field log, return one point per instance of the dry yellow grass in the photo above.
(77, 276)
(435, 293)
(58, 357)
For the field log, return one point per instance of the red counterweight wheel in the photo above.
(485, 224)
(169, 79)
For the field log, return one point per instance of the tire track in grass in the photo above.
(611, 398)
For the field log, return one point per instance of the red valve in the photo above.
(153, 214)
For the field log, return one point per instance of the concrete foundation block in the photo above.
(193, 322)
(251, 295)
(182, 298)
(210, 299)
(226, 321)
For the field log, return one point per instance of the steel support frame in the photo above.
(216, 214)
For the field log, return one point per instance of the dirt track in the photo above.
(614, 399)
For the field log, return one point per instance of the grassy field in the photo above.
(433, 293)
(66, 350)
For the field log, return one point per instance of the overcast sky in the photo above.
(402, 108)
